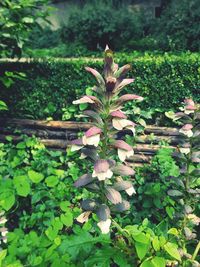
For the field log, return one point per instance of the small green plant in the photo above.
(100, 143)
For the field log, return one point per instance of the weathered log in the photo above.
(147, 139)
(150, 149)
(162, 130)
(41, 133)
(139, 158)
(41, 124)
(76, 126)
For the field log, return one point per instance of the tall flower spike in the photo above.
(105, 180)
(109, 66)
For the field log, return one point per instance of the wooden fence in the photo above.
(58, 134)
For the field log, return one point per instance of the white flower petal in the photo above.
(122, 154)
(75, 148)
(93, 140)
(3, 220)
(130, 191)
(104, 226)
(132, 129)
(187, 111)
(185, 150)
(109, 173)
(83, 217)
(129, 153)
(82, 156)
(117, 123)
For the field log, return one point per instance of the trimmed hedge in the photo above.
(52, 84)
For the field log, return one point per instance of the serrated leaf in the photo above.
(3, 254)
(141, 237)
(156, 244)
(141, 249)
(158, 261)
(173, 231)
(172, 250)
(147, 263)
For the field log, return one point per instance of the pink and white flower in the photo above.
(83, 217)
(102, 170)
(123, 149)
(189, 106)
(120, 122)
(104, 226)
(76, 145)
(92, 136)
(187, 130)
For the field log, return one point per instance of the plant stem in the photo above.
(122, 231)
(196, 251)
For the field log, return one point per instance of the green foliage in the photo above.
(97, 24)
(153, 183)
(17, 20)
(53, 84)
(177, 28)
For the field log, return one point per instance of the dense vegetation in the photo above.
(163, 80)
(59, 209)
(117, 23)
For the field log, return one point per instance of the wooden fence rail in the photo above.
(58, 134)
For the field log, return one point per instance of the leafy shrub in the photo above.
(153, 182)
(97, 24)
(177, 28)
(162, 80)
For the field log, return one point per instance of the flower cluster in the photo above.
(100, 143)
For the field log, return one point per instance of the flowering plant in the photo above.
(100, 143)
(188, 156)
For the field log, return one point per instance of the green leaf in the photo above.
(142, 238)
(170, 114)
(67, 219)
(21, 145)
(172, 250)
(147, 263)
(35, 177)
(174, 193)
(83, 106)
(22, 185)
(51, 181)
(173, 231)
(3, 105)
(7, 199)
(170, 212)
(64, 205)
(158, 262)
(83, 242)
(156, 244)
(51, 233)
(141, 249)
(28, 20)
(142, 122)
(3, 254)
